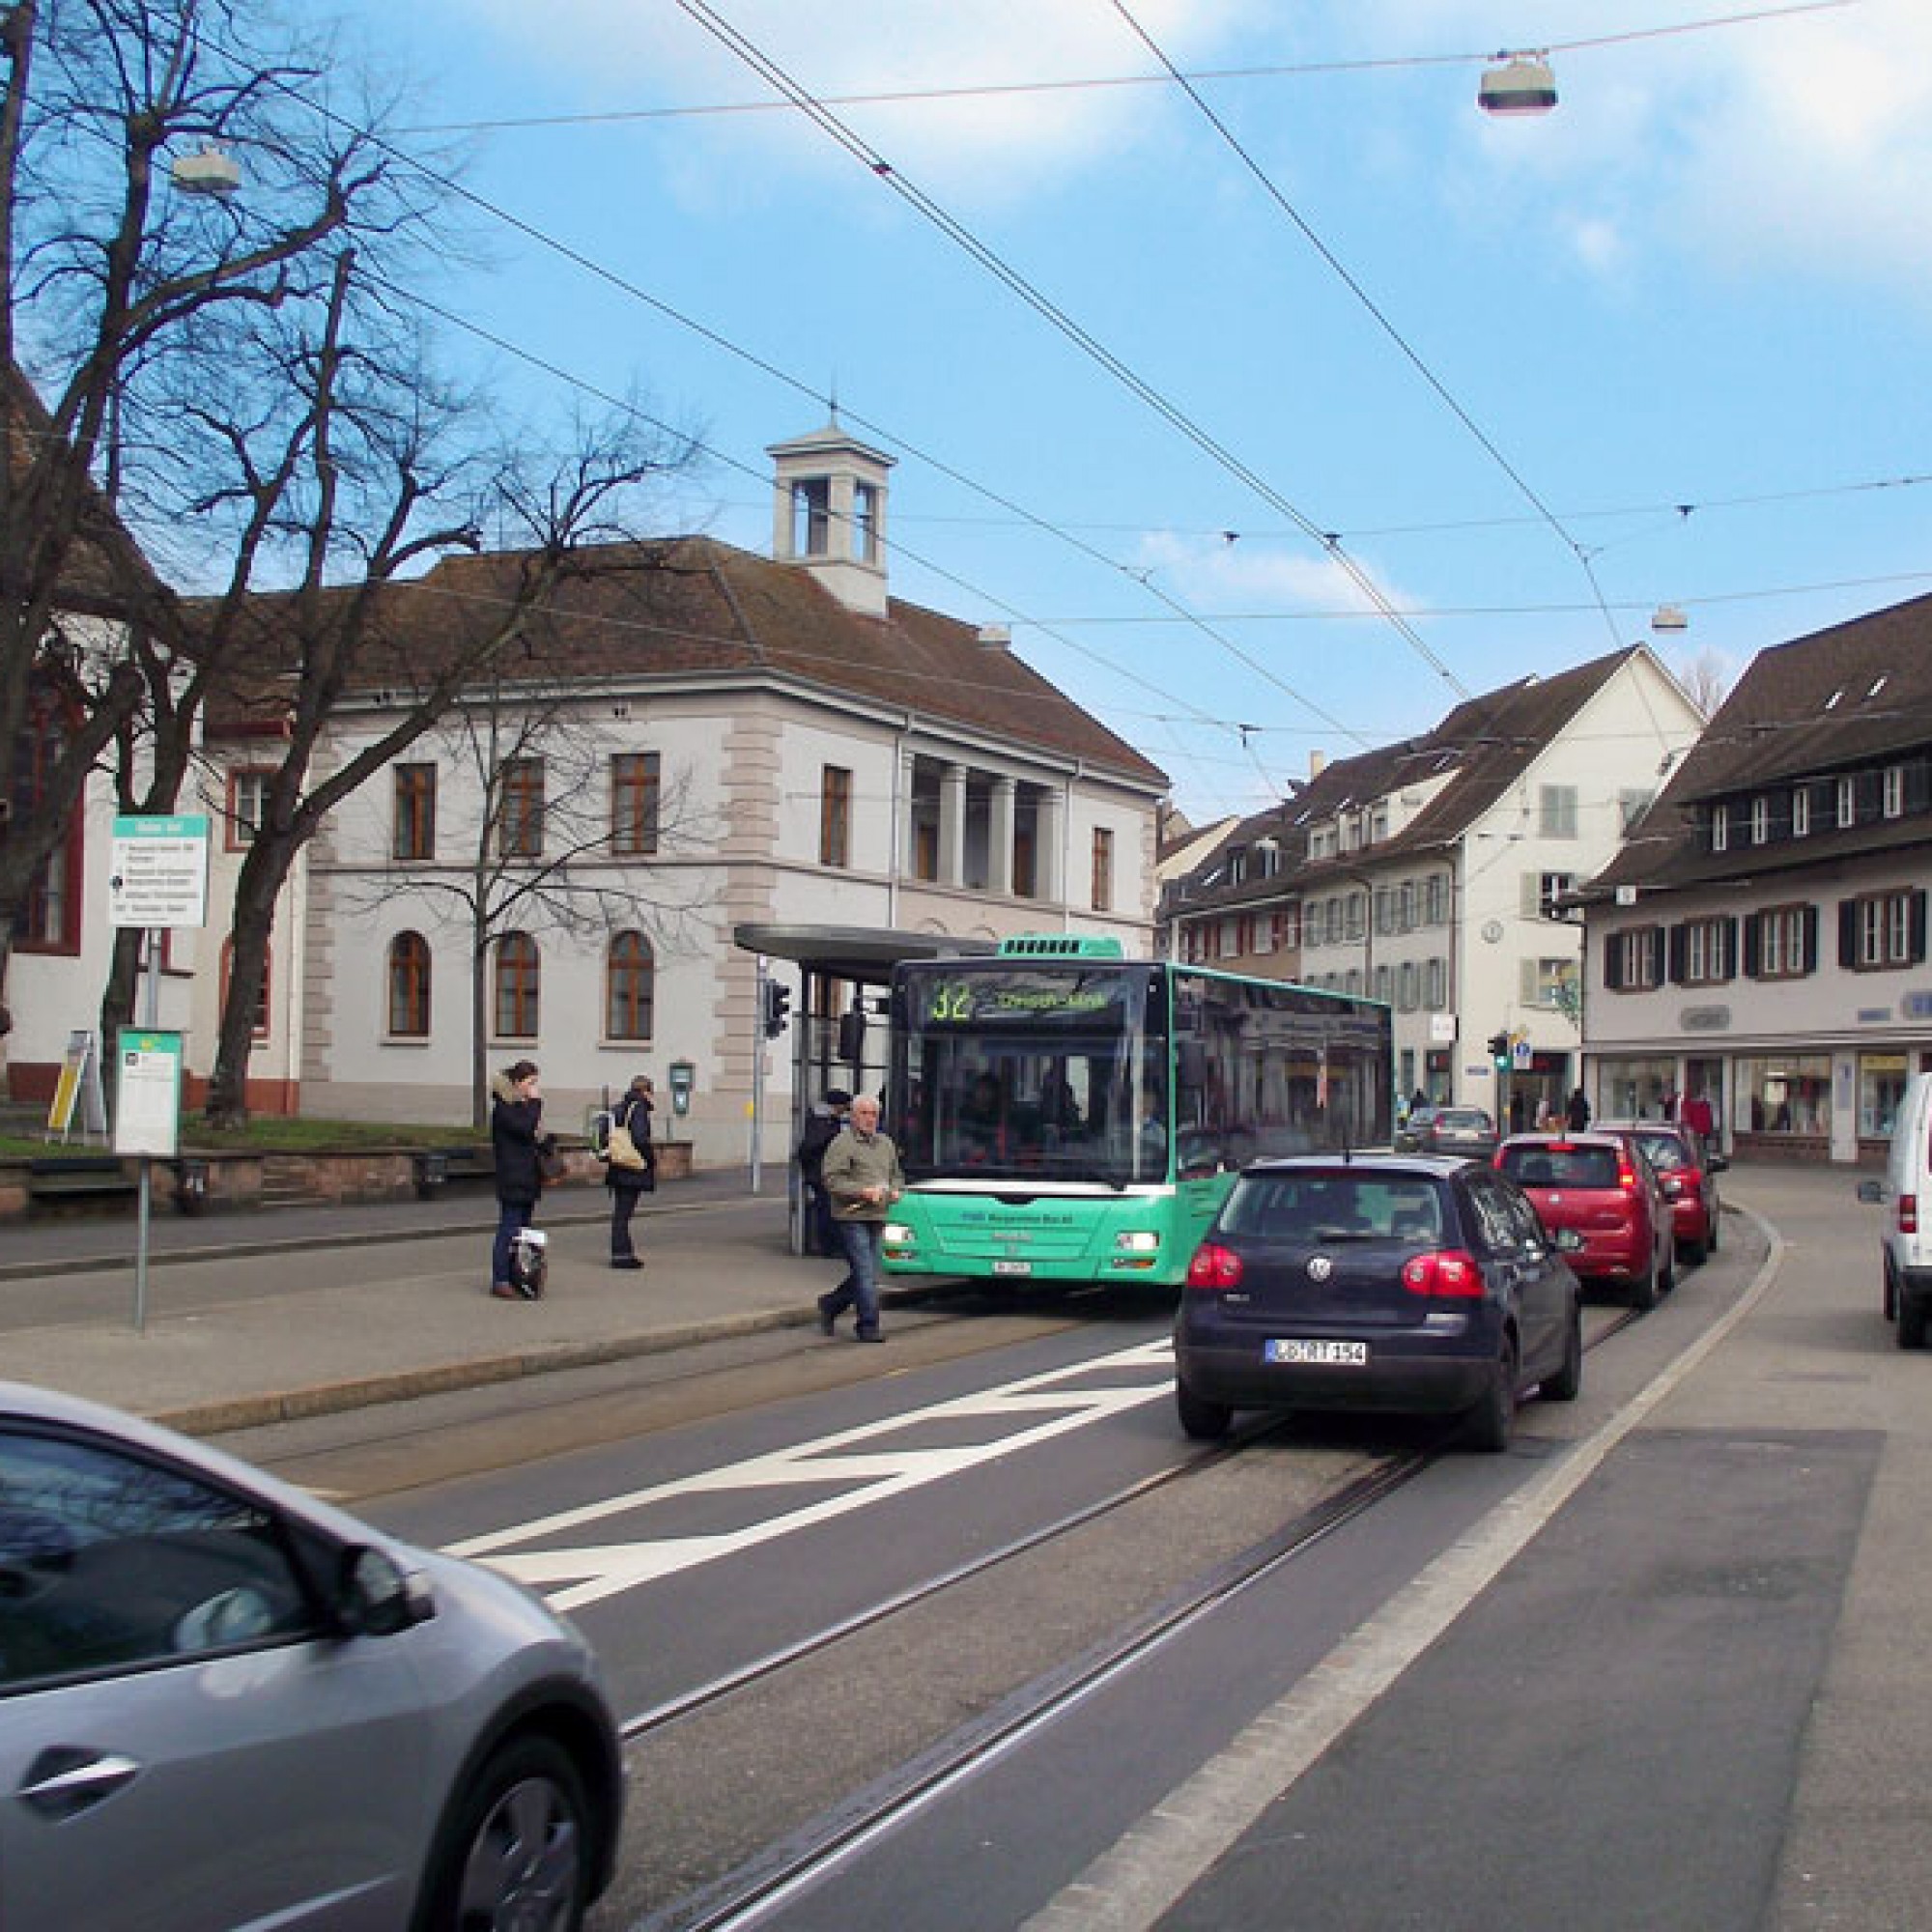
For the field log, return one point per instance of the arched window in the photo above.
(408, 986)
(518, 972)
(630, 986)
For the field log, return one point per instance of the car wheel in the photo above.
(1205, 1421)
(1486, 1426)
(1890, 1302)
(1911, 1321)
(1694, 1252)
(1666, 1278)
(515, 1849)
(1566, 1383)
(1711, 1236)
(1643, 1290)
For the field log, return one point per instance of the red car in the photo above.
(1687, 1168)
(1601, 1185)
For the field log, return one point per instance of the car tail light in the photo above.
(1626, 1177)
(1908, 1213)
(1214, 1267)
(1448, 1272)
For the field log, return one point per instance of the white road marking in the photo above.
(1041, 1406)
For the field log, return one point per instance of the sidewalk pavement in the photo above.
(257, 1316)
(252, 1317)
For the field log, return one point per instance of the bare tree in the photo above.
(242, 384)
(1705, 678)
(544, 847)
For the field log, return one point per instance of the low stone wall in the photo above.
(241, 1181)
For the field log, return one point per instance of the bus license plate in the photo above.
(1013, 1267)
(1331, 1355)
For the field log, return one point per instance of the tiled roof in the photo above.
(105, 574)
(1481, 747)
(1857, 693)
(693, 606)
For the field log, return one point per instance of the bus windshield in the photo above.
(1024, 1074)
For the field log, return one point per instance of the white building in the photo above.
(1427, 875)
(696, 740)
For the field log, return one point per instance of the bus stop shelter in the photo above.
(838, 1033)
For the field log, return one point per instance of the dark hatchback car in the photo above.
(1686, 1170)
(1388, 1282)
(1600, 1186)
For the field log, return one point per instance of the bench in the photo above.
(79, 1177)
(432, 1168)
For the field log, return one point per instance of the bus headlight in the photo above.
(897, 1235)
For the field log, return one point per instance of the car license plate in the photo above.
(1331, 1355)
(1013, 1267)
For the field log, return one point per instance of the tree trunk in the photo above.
(264, 873)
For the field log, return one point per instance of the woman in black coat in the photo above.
(518, 1142)
(632, 1114)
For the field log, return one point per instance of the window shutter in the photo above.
(1848, 932)
(1527, 982)
(1753, 946)
(1809, 925)
(1676, 940)
(1613, 966)
(1532, 886)
(1917, 917)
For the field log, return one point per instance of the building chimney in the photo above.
(1317, 763)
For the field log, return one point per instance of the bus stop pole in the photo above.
(758, 1049)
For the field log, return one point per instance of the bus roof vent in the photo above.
(1060, 945)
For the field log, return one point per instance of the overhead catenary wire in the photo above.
(1075, 333)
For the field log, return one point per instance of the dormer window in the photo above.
(1721, 828)
(1894, 791)
(1848, 802)
(1800, 811)
(1760, 820)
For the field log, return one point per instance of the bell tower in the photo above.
(829, 514)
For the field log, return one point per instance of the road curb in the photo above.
(294, 1405)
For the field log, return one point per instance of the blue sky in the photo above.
(1667, 344)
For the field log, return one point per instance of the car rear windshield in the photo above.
(1665, 1152)
(1462, 1117)
(1334, 1208)
(1561, 1166)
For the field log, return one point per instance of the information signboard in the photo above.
(158, 872)
(146, 1094)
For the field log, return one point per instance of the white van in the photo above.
(1907, 1194)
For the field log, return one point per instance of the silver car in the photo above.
(223, 1704)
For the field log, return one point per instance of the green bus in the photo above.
(1066, 1114)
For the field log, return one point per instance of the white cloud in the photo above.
(621, 53)
(1210, 575)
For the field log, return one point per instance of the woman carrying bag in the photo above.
(630, 1166)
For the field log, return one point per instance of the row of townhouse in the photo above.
(696, 744)
(1436, 874)
(1761, 939)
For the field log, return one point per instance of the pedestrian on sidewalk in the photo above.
(1576, 1113)
(822, 1124)
(632, 1114)
(519, 1143)
(864, 1177)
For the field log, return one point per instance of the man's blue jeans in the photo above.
(860, 1240)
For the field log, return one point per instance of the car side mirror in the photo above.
(375, 1596)
(1872, 1191)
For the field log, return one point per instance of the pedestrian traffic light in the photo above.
(778, 1005)
(1499, 1051)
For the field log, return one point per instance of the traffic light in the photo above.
(1499, 1051)
(777, 1006)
